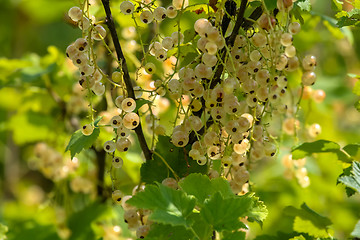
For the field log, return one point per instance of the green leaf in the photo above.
(357, 106)
(353, 179)
(167, 232)
(234, 235)
(38, 232)
(156, 171)
(200, 227)
(308, 221)
(80, 222)
(353, 150)
(320, 146)
(224, 213)
(169, 206)
(306, 226)
(140, 102)
(79, 141)
(204, 187)
(189, 35)
(304, 5)
(3, 230)
(356, 232)
(270, 4)
(258, 211)
(356, 88)
(338, 4)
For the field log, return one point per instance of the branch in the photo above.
(127, 79)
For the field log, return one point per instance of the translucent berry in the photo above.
(286, 39)
(159, 13)
(314, 130)
(309, 63)
(109, 146)
(117, 162)
(123, 144)
(131, 120)
(308, 78)
(179, 4)
(180, 138)
(171, 12)
(117, 196)
(98, 32)
(150, 68)
(127, 7)
(170, 182)
(142, 231)
(87, 129)
(128, 105)
(75, 13)
(294, 28)
(168, 43)
(116, 121)
(318, 95)
(98, 88)
(146, 17)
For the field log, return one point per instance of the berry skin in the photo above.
(159, 13)
(146, 17)
(308, 78)
(179, 4)
(314, 130)
(117, 77)
(98, 88)
(150, 68)
(117, 162)
(131, 120)
(168, 43)
(286, 39)
(127, 7)
(170, 182)
(318, 95)
(81, 44)
(171, 12)
(87, 129)
(75, 13)
(309, 63)
(117, 196)
(109, 146)
(123, 144)
(180, 138)
(116, 121)
(98, 33)
(142, 231)
(128, 105)
(294, 28)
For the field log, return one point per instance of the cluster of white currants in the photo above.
(149, 13)
(51, 163)
(80, 52)
(296, 168)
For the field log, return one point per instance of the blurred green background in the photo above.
(33, 39)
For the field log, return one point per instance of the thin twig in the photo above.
(111, 25)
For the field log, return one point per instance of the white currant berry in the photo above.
(314, 130)
(98, 88)
(146, 17)
(309, 63)
(159, 13)
(80, 59)
(84, 24)
(119, 100)
(71, 51)
(109, 146)
(177, 37)
(179, 4)
(226, 161)
(75, 13)
(87, 129)
(127, 7)
(160, 130)
(123, 144)
(116, 121)
(86, 70)
(117, 77)
(318, 95)
(128, 105)
(213, 152)
(161, 54)
(180, 138)
(150, 68)
(98, 33)
(241, 148)
(122, 131)
(308, 78)
(117, 196)
(131, 120)
(255, 55)
(286, 39)
(294, 28)
(211, 48)
(201, 160)
(168, 43)
(259, 40)
(117, 162)
(170, 182)
(171, 12)
(290, 51)
(81, 44)
(142, 231)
